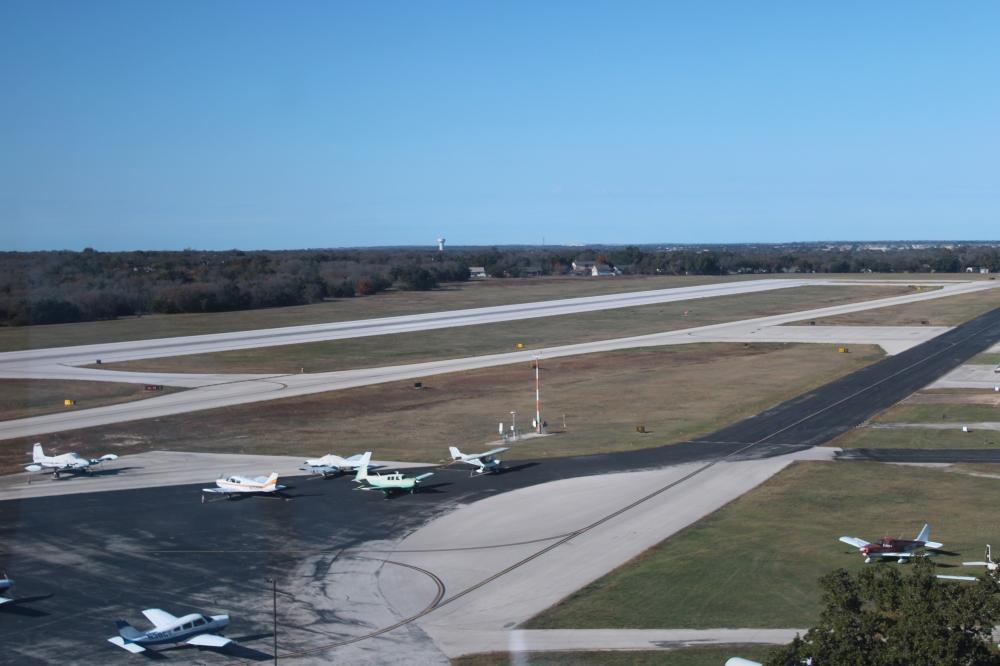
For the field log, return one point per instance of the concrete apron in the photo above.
(507, 535)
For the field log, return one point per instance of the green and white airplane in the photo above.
(388, 483)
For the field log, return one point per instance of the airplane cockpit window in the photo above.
(199, 622)
(187, 625)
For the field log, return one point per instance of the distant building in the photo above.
(582, 265)
(477, 271)
(984, 270)
(531, 271)
(601, 269)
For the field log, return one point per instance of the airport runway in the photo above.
(244, 390)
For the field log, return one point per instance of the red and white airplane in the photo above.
(237, 485)
(897, 549)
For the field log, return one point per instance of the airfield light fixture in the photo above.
(538, 402)
(513, 421)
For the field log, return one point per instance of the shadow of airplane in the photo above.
(15, 607)
(518, 468)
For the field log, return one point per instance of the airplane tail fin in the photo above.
(127, 631)
(362, 473)
(925, 534)
(271, 480)
(365, 459)
(37, 454)
(455, 453)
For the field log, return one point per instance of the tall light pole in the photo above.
(538, 401)
(274, 593)
(513, 421)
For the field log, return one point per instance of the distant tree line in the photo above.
(61, 287)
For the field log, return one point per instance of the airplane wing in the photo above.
(214, 490)
(477, 456)
(110, 456)
(423, 476)
(976, 564)
(4, 600)
(158, 617)
(933, 544)
(854, 541)
(122, 643)
(316, 469)
(968, 578)
(209, 640)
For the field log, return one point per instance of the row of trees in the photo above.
(58, 287)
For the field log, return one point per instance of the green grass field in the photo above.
(676, 392)
(713, 656)
(985, 359)
(917, 438)
(499, 338)
(958, 414)
(755, 562)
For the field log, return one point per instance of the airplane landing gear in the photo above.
(55, 475)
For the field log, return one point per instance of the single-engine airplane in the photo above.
(390, 482)
(66, 462)
(989, 563)
(5, 584)
(888, 548)
(330, 464)
(193, 629)
(481, 461)
(237, 485)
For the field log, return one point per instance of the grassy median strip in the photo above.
(485, 339)
(755, 562)
(700, 656)
(22, 398)
(947, 311)
(917, 438)
(675, 393)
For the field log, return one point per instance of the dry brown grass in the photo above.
(454, 296)
(468, 341)
(949, 311)
(21, 398)
(675, 392)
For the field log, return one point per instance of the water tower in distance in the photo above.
(440, 245)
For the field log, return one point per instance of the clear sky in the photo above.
(213, 125)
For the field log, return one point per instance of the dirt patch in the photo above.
(992, 399)
(676, 393)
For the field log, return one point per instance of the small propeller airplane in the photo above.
(989, 563)
(193, 629)
(390, 482)
(5, 584)
(67, 462)
(237, 485)
(888, 548)
(330, 465)
(481, 461)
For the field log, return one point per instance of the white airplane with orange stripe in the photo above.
(236, 485)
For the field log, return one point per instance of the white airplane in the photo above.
(331, 464)
(989, 563)
(389, 483)
(235, 485)
(5, 584)
(67, 462)
(740, 661)
(481, 461)
(193, 629)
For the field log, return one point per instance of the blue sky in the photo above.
(213, 125)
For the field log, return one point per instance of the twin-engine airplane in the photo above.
(5, 584)
(67, 462)
(193, 629)
(481, 461)
(889, 548)
(330, 464)
(236, 485)
(390, 482)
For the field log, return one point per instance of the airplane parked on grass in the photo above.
(193, 629)
(5, 584)
(740, 661)
(390, 482)
(330, 464)
(989, 563)
(238, 485)
(888, 548)
(481, 461)
(67, 462)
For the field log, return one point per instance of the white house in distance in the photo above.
(477, 271)
(601, 269)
